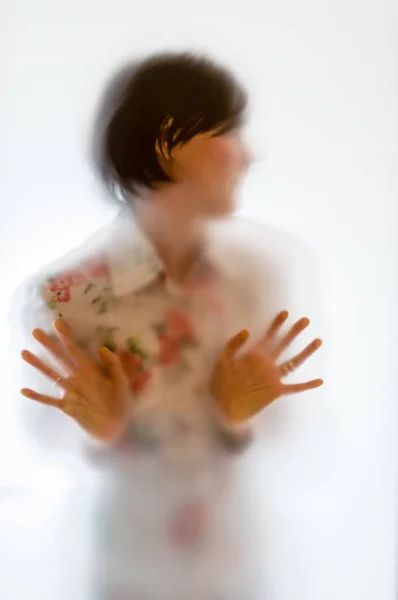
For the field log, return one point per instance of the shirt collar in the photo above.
(132, 258)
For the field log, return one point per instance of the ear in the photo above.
(160, 145)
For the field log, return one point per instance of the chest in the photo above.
(168, 342)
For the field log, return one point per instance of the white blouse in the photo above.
(176, 518)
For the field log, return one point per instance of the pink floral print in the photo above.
(61, 285)
(174, 334)
(179, 327)
(189, 524)
(97, 267)
(169, 351)
(63, 295)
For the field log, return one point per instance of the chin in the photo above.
(229, 206)
(222, 206)
(223, 212)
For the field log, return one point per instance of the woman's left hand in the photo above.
(244, 385)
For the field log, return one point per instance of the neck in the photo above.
(177, 238)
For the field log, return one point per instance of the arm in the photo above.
(43, 427)
(282, 276)
(93, 392)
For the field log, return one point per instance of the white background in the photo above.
(324, 131)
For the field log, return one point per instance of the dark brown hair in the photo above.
(169, 99)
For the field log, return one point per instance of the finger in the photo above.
(55, 348)
(41, 398)
(112, 361)
(295, 388)
(293, 332)
(274, 328)
(45, 369)
(298, 360)
(235, 344)
(72, 348)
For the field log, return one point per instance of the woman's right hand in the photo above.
(96, 396)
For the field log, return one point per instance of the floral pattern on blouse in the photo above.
(62, 285)
(167, 341)
(175, 333)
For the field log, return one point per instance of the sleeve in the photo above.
(41, 425)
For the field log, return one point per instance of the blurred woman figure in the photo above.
(151, 336)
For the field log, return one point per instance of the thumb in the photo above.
(235, 343)
(114, 365)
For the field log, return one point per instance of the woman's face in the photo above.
(211, 166)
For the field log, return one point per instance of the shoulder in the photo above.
(274, 269)
(76, 285)
(62, 285)
(252, 247)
